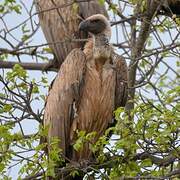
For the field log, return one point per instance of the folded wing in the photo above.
(62, 101)
(121, 80)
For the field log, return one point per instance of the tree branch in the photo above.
(137, 50)
(85, 168)
(156, 160)
(29, 66)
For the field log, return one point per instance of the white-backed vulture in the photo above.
(89, 86)
(60, 19)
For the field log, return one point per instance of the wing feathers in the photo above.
(121, 80)
(59, 107)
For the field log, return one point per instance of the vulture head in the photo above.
(100, 29)
(96, 24)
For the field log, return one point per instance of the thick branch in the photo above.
(29, 66)
(113, 162)
(137, 51)
(156, 160)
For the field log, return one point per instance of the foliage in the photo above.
(9, 6)
(145, 141)
(155, 130)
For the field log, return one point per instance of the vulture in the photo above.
(89, 86)
(60, 19)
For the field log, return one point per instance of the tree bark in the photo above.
(137, 47)
(29, 66)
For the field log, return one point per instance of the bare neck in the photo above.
(101, 49)
(101, 40)
(98, 50)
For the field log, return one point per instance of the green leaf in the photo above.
(101, 2)
(35, 89)
(7, 108)
(17, 9)
(78, 145)
(91, 136)
(48, 50)
(146, 163)
(75, 7)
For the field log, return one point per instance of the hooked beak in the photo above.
(84, 25)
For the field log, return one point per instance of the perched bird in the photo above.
(89, 86)
(60, 19)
